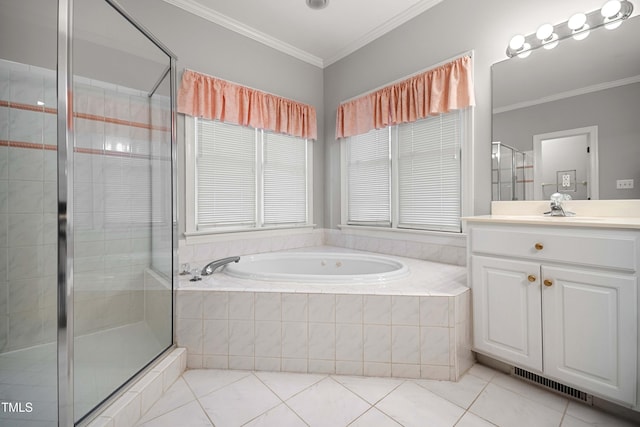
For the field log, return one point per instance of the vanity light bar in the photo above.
(548, 36)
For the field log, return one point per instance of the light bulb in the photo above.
(544, 31)
(611, 8)
(526, 51)
(516, 42)
(551, 42)
(583, 33)
(317, 4)
(577, 21)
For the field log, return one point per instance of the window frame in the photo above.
(192, 233)
(466, 180)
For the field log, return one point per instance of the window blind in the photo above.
(429, 173)
(369, 178)
(285, 179)
(226, 175)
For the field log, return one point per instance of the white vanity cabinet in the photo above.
(559, 301)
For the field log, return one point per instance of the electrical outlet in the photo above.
(624, 184)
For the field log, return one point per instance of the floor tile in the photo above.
(412, 405)
(204, 381)
(190, 415)
(462, 393)
(531, 392)
(592, 417)
(267, 399)
(508, 409)
(471, 420)
(280, 416)
(239, 402)
(371, 389)
(373, 417)
(179, 394)
(327, 403)
(482, 371)
(286, 384)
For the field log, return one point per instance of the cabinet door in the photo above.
(506, 310)
(590, 330)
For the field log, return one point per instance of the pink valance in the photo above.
(440, 90)
(205, 96)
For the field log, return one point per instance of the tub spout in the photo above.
(214, 265)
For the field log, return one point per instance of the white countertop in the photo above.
(568, 221)
(589, 213)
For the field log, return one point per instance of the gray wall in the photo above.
(448, 29)
(614, 111)
(211, 49)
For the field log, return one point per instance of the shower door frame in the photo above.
(65, 145)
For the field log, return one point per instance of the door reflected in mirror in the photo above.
(587, 84)
(566, 162)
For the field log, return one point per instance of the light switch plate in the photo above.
(624, 184)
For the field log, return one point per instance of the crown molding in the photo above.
(568, 94)
(245, 30)
(211, 15)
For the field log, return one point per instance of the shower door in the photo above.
(122, 202)
(86, 209)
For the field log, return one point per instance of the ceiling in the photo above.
(319, 37)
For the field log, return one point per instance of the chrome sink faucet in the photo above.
(556, 205)
(214, 265)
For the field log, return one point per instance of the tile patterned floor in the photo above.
(483, 397)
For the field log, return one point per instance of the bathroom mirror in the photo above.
(590, 84)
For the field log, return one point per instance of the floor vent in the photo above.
(564, 390)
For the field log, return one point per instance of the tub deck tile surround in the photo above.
(416, 327)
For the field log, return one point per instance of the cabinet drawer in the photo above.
(609, 250)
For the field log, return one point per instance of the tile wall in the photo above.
(453, 252)
(113, 163)
(198, 255)
(372, 335)
(28, 206)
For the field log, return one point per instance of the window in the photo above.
(407, 176)
(248, 179)
(369, 178)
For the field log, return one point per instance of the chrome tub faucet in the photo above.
(214, 265)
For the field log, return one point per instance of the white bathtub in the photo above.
(318, 267)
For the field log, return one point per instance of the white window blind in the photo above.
(369, 178)
(249, 178)
(226, 175)
(429, 175)
(285, 179)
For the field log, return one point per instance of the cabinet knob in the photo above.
(539, 246)
(548, 282)
(531, 278)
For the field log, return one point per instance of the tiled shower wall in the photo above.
(28, 206)
(113, 162)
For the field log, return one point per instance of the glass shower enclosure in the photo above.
(511, 173)
(87, 211)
